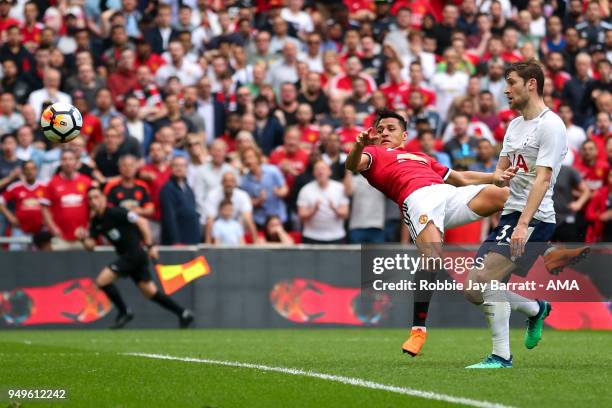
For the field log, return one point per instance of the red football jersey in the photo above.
(297, 161)
(91, 131)
(398, 173)
(396, 94)
(343, 82)
(429, 95)
(155, 186)
(31, 34)
(348, 135)
(309, 134)
(67, 199)
(596, 176)
(26, 198)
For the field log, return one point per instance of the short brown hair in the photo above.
(528, 70)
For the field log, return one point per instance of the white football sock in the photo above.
(498, 317)
(522, 304)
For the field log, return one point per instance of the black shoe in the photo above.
(186, 319)
(123, 319)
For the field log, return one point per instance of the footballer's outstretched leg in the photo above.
(429, 243)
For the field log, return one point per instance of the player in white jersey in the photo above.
(534, 147)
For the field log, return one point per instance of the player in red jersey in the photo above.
(24, 195)
(64, 203)
(432, 197)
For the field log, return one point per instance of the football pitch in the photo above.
(299, 368)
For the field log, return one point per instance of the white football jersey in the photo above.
(541, 141)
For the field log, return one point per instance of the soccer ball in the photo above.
(61, 122)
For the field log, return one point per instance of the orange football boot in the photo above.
(415, 342)
(558, 258)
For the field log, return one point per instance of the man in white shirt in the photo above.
(284, 70)
(398, 37)
(241, 202)
(313, 55)
(187, 72)
(294, 15)
(575, 134)
(50, 92)
(449, 84)
(208, 177)
(322, 207)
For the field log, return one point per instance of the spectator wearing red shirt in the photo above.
(64, 204)
(419, 9)
(31, 29)
(494, 49)
(155, 174)
(5, 20)
(351, 46)
(395, 89)
(14, 49)
(309, 132)
(343, 83)
(145, 56)
(148, 95)
(91, 130)
(123, 79)
(378, 102)
(599, 214)
(555, 64)
(290, 158)
(417, 83)
(349, 130)
(510, 54)
(593, 170)
(600, 133)
(24, 196)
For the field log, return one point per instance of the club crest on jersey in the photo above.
(423, 219)
(114, 234)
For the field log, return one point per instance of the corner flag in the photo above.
(174, 277)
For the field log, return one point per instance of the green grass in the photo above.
(566, 369)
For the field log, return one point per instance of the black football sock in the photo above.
(422, 297)
(167, 303)
(113, 294)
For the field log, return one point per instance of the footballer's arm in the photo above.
(500, 175)
(466, 178)
(534, 199)
(536, 195)
(356, 160)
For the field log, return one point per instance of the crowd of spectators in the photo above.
(229, 121)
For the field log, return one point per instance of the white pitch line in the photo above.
(329, 377)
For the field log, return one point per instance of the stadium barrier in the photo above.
(256, 287)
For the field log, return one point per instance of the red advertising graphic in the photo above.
(567, 314)
(311, 301)
(72, 301)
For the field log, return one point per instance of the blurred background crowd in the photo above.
(229, 121)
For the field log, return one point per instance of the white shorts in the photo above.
(445, 205)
